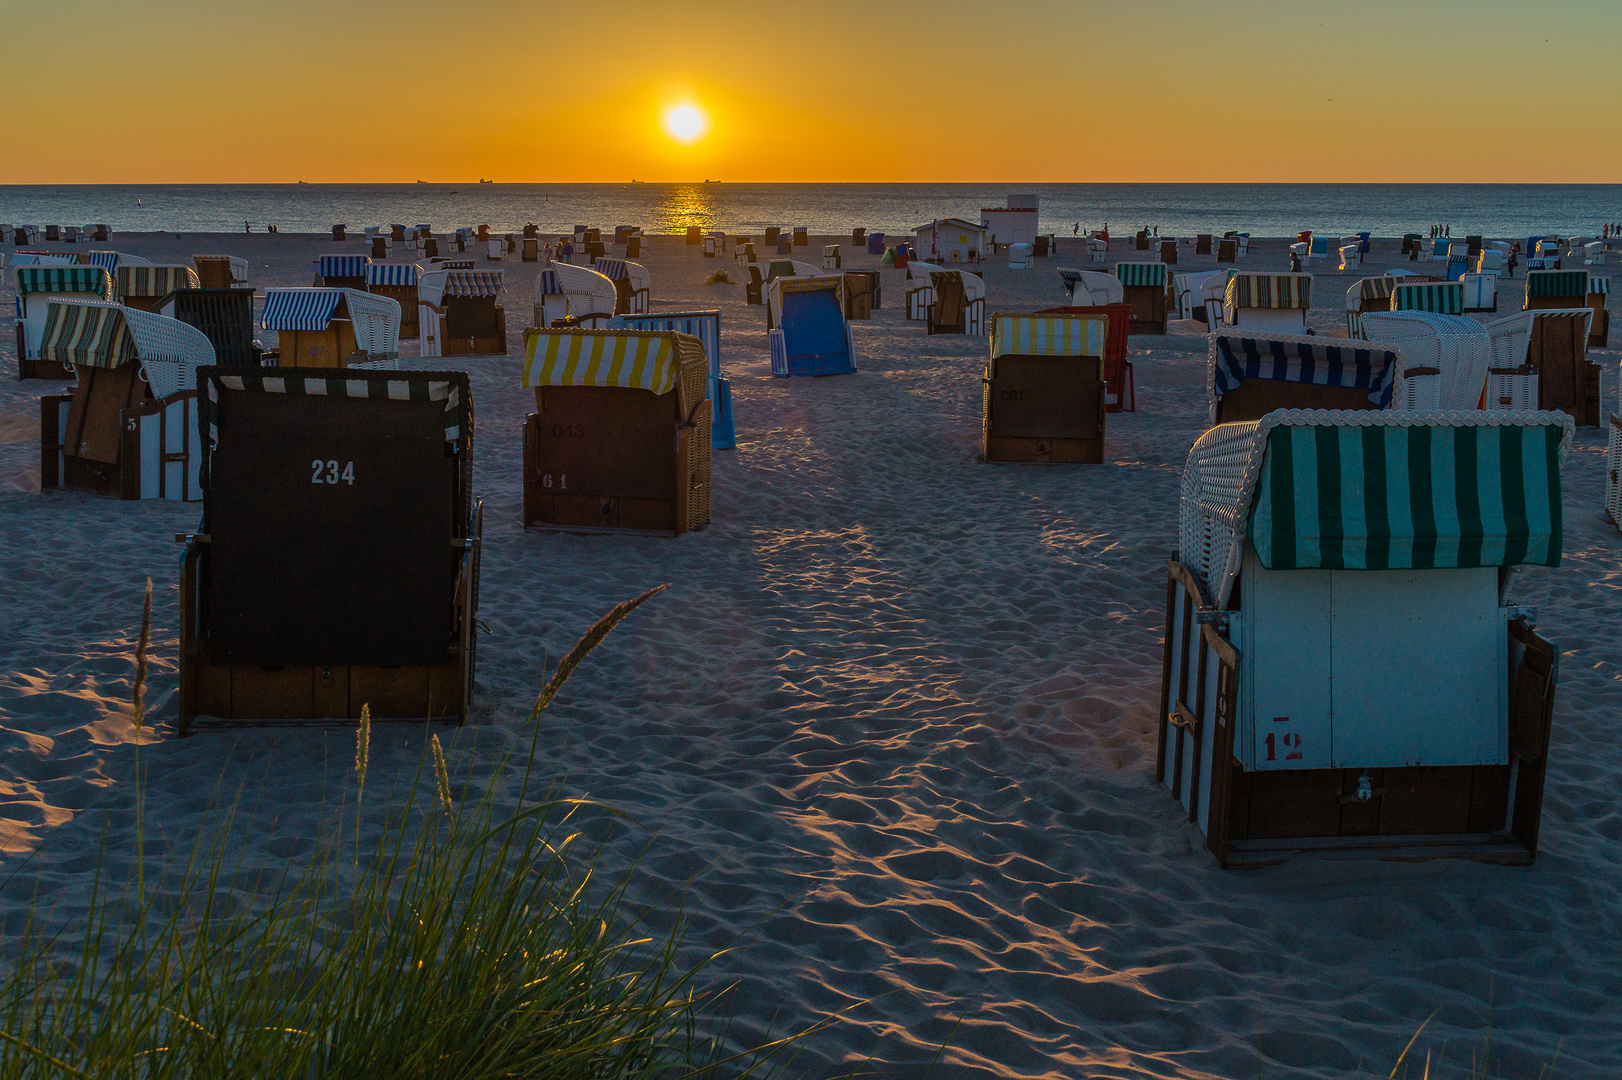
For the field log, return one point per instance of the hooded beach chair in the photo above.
(37, 287)
(129, 428)
(458, 313)
(1191, 289)
(1019, 256)
(752, 289)
(1613, 472)
(399, 282)
(862, 293)
(1120, 386)
(142, 287)
(1448, 358)
(564, 290)
(1249, 376)
(1480, 292)
(221, 271)
(341, 271)
(831, 258)
(1569, 289)
(225, 317)
(958, 305)
(920, 290)
(1342, 672)
(1368, 294)
(620, 438)
(1267, 303)
(333, 328)
(1144, 286)
(633, 285)
(337, 563)
(1437, 297)
(1088, 288)
(1044, 389)
(706, 326)
(810, 335)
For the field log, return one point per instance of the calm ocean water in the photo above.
(1261, 209)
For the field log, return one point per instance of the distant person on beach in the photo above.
(1075, 230)
(246, 227)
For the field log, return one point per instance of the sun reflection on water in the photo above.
(684, 206)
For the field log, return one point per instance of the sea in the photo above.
(1263, 210)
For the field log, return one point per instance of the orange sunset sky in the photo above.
(156, 91)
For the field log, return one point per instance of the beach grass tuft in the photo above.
(719, 277)
(479, 944)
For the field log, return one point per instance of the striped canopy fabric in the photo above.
(342, 265)
(107, 260)
(91, 335)
(614, 269)
(1131, 273)
(65, 279)
(154, 280)
(1048, 335)
(1599, 285)
(1312, 360)
(1377, 288)
(438, 284)
(1559, 283)
(1287, 292)
(1354, 490)
(406, 274)
(1400, 497)
(299, 309)
(458, 409)
(704, 325)
(634, 359)
(1439, 297)
(548, 284)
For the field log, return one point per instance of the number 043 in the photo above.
(332, 472)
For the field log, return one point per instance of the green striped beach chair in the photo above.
(1144, 285)
(1387, 699)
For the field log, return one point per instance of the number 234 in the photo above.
(328, 472)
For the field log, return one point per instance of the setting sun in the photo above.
(686, 124)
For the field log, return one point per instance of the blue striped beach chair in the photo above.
(706, 326)
(341, 271)
(1333, 545)
(397, 281)
(333, 328)
(1248, 375)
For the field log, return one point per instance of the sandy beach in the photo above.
(893, 725)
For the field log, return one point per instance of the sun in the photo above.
(686, 124)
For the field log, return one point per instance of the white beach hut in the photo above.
(950, 240)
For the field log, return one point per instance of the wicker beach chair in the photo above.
(1120, 384)
(862, 293)
(336, 567)
(225, 317)
(1267, 303)
(1144, 286)
(1043, 399)
(1250, 375)
(143, 287)
(333, 328)
(399, 282)
(36, 288)
(1299, 539)
(129, 427)
(1448, 357)
(810, 335)
(1569, 289)
(458, 313)
(620, 440)
(957, 305)
(221, 271)
(564, 290)
(341, 271)
(1085, 288)
(633, 285)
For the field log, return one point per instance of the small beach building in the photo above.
(1006, 225)
(949, 240)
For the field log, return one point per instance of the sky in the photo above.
(343, 91)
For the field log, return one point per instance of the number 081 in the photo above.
(329, 472)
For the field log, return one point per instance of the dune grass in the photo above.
(465, 942)
(719, 277)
